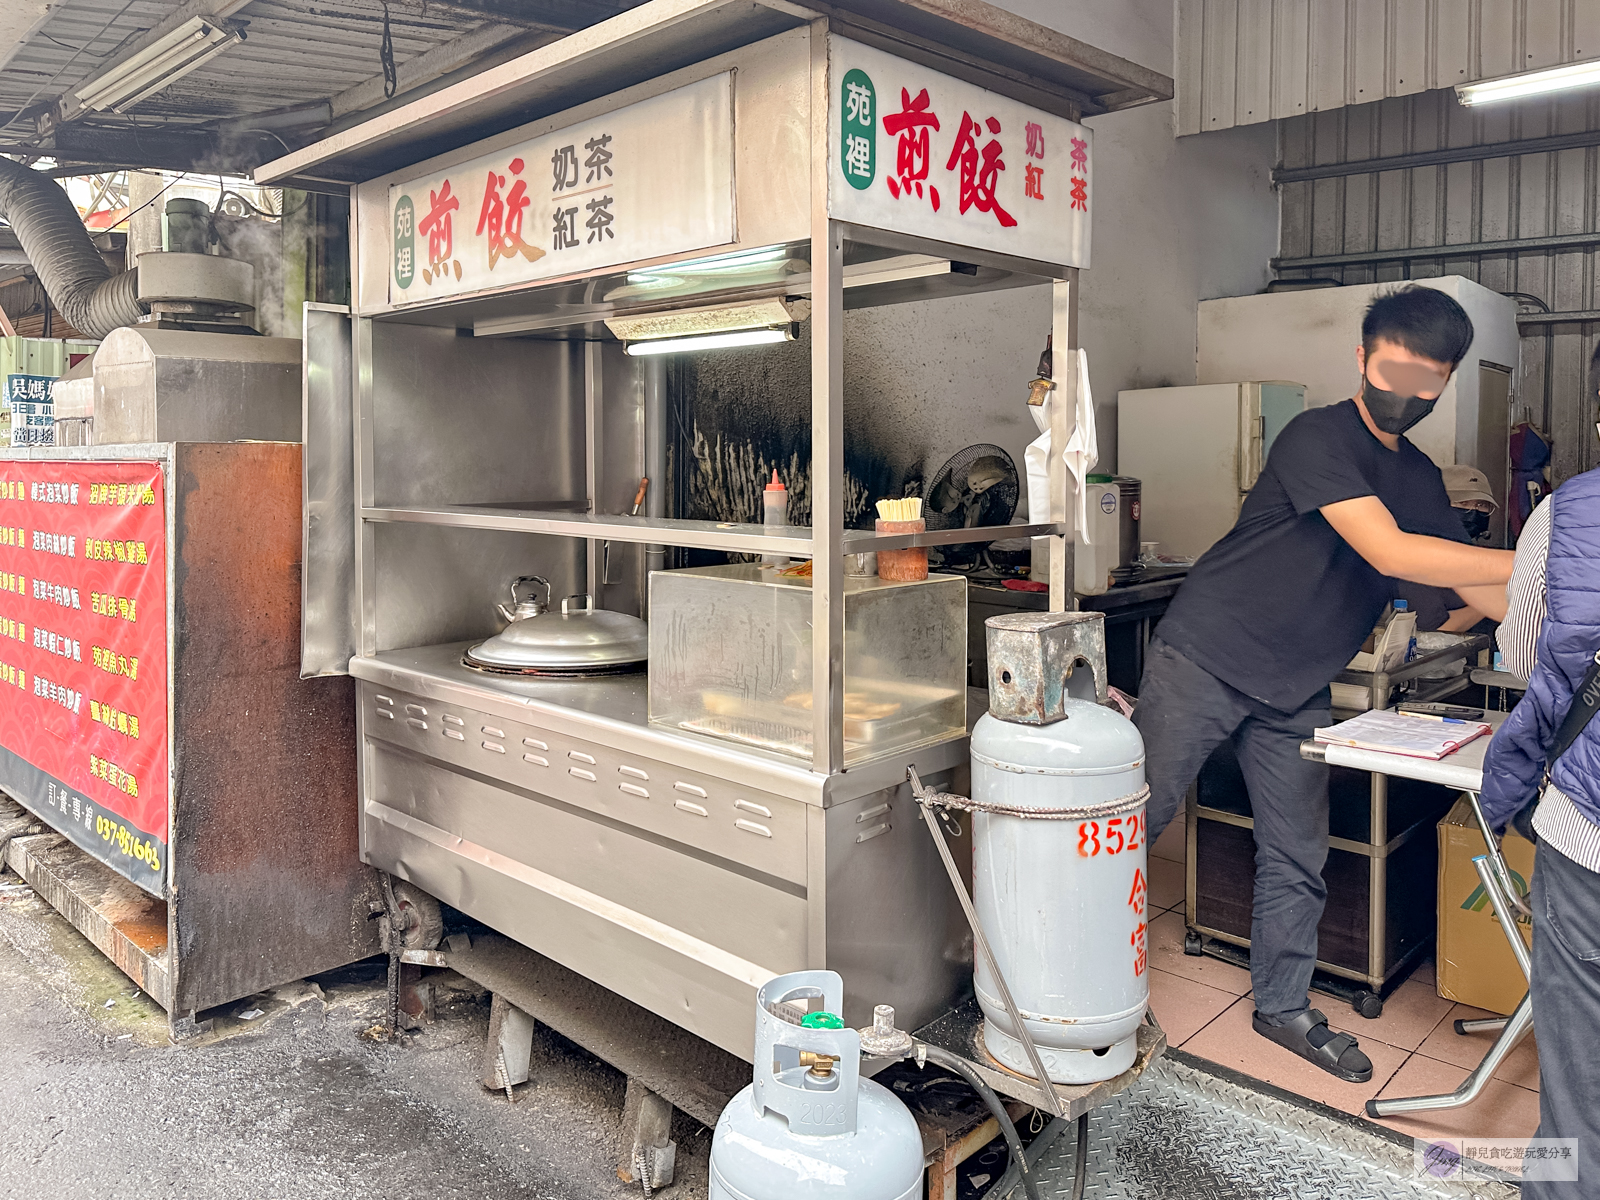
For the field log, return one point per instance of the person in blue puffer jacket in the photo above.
(1550, 636)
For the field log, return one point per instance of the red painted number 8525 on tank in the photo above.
(1112, 836)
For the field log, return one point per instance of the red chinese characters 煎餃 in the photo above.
(500, 217)
(980, 167)
(910, 126)
(439, 227)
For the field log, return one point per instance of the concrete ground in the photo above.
(295, 1094)
(299, 1101)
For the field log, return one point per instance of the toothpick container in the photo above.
(903, 566)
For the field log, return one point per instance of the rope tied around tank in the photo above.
(1078, 812)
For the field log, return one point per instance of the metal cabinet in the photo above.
(238, 869)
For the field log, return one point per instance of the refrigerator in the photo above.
(1312, 336)
(1198, 451)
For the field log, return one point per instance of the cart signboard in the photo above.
(922, 153)
(28, 414)
(83, 656)
(651, 179)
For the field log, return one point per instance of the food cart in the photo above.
(186, 793)
(528, 245)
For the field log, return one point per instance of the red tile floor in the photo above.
(1204, 1005)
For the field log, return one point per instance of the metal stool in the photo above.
(1496, 879)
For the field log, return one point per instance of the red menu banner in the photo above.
(83, 656)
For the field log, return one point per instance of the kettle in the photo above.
(532, 606)
(579, 640)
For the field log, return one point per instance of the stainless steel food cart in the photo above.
(475, 417)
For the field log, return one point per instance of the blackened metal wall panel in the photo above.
(266, 882)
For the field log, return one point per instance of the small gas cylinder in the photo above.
(808, 1125)
(1060, 870)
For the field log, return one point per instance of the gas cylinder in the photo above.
(1060, 869)
(808, 1125)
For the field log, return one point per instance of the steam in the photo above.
(259, 242)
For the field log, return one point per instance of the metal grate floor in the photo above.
(1181, 1134)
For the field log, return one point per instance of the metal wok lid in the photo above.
(574, 640)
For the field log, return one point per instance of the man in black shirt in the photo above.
(1269, 615)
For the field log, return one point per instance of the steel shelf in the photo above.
(860, 541)
(703, 535)
(565, 408)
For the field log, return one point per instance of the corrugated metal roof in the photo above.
(80, 36)
(300, 53)
(1241, 62)
(296, 51)
(1025, 60)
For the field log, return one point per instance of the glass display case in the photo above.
(731, 656)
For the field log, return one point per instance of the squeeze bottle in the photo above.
(775, 515)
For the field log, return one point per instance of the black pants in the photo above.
(1566, 1016)
(1184, 714)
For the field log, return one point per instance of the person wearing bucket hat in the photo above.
(1441, 608)
(1469, 491)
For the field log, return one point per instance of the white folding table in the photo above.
(1463, 770)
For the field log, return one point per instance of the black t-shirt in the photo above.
(1277, 608)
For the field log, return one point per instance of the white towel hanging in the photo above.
(1079, 454)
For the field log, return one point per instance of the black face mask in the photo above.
(1474, 522)
(1391, 412)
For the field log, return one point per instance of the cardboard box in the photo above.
(1474, 964)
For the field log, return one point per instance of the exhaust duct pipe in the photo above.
(74, 275)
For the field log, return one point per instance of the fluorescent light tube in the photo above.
(1530, 83)
(741, 260)
(159, 64)
(749, 267)
(114, 76)
(177, 71)
(722, 318)
(881, 270)
(710, 341)
(761, 258)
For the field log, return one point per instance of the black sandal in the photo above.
(1308, 1036)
